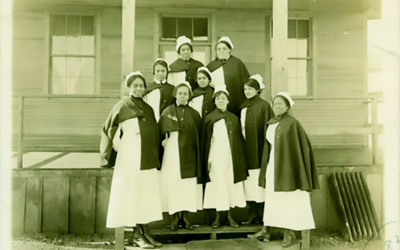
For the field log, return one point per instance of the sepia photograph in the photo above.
(191, 125)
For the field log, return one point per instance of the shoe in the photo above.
(252, 215)
(175, 221)
(139, 240)
(264, 234)
(231, 221)
(145, 231)
(216, 224)
(187, 223)
(254, 221)
(288, 238)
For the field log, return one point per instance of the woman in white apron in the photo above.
(130, 142)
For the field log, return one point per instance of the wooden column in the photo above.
(128, 39)
(278, 46)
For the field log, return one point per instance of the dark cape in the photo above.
(190, 67)
(295, 166)
(257, 115)
(236, 75)
(187, 121)
(166, 94)
(208, 104)
(236, 142)
(127, 108)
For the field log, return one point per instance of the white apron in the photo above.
(135, 194)
(177, 194)
(221, 193)
(252, 190)
(289, 210)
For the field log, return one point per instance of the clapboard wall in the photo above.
(339, 41)
(76, 200)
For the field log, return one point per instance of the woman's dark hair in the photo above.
(190, 46)
(226, 43)
(284, 99)
(220, 93)
(182, 85)
(205, 73)
(253, 84)
(162, 63)
(133, 78)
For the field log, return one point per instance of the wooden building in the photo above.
(69, 59)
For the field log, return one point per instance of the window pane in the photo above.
(302, 47)
(292, 68)
(86, 85)
(59, 25)
(73, 66)
(73, 25)
(59, 66)
(303, 29)
(291, 28)
(87, 45)
(302, 68)
(291, 48)
(58, 85)
(73, 45)
(169, 28)
(200, 26)
(87, 25)
(59, 44)
(185, 27)
(87, 67)
(72, 85)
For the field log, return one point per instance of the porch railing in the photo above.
(372, 128)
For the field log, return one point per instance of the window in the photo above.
(299, 57)
(194, 28)
(299, 54)
(72, 52)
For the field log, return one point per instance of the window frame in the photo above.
(159, 13)
(97, 48)
(312, 57)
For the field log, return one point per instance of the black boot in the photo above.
(145, 231)
(188, 225)
(139, 240)
(175, 220)
(264, 234)
(231, 221)
(216, 223)
(252, 215)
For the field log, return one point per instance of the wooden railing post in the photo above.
(374, 123)
(305, 239)
(20, 146)
(119, 238)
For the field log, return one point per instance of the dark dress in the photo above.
(234, 74)
(207, 105)
(190, 67)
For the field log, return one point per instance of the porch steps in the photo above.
(206, 229)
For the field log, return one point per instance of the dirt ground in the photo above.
(319, 241)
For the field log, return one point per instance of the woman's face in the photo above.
(182, 95)
(223, 51)
(221, 101)
(185, 52)
(279, 106)
(249, 92)
(202, 80)
(137, 87)
(160, 72)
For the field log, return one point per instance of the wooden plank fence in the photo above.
(76, 200)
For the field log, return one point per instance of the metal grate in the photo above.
(354, 205)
